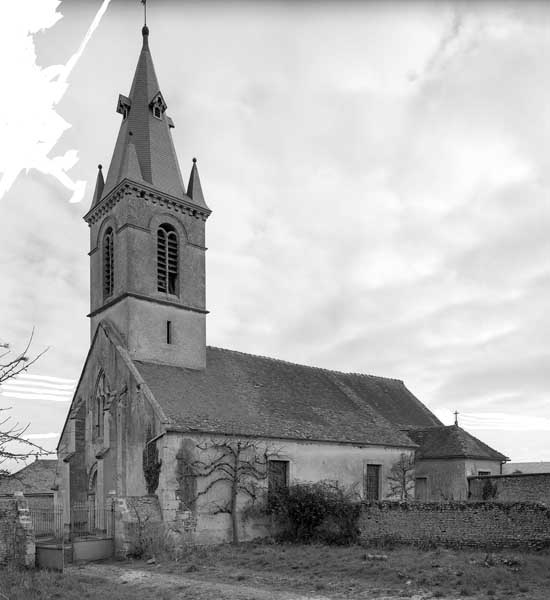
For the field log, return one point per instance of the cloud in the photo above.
(41, 436)
(38, 387)
(361, 220)
(34, 127)
(496, 421)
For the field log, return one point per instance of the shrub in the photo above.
(317, 512)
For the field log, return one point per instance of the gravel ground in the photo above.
(150, 583)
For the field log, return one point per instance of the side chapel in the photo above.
(153, 398)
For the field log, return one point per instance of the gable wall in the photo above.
(117, 455)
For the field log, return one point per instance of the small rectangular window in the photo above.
(168, 332)
(277, 480)
(483, 473)
(372, 482)
(421, 489)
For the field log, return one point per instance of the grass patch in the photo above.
(19, 584)
(400, 571)
(336, 572)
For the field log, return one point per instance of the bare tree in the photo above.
(239, 464)
(14, 446)
(401, 477)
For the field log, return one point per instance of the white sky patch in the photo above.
(495, 421)
(35, 396)
(38, 387)
(46, 378)
(31, 127)
(41, 436)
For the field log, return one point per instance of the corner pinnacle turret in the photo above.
(144, 152)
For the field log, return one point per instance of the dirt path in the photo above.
(184, 587)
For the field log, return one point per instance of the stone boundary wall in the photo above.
(519, 487)
(16, 532)
(455, 524)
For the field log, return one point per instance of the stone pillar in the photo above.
(24, 550)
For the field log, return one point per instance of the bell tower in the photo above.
(147, 235)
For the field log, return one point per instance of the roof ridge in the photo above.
(288, 362)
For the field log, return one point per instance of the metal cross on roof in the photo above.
(144, 2)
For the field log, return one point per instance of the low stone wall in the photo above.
(16, 533)
(520, 487)
(477, 524)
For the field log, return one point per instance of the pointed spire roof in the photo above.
(144, 151)
(99, 185)
(194, 189)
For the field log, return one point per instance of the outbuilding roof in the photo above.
(452, 442)
(244, 394)
(37, 477)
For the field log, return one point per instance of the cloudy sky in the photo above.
(378, 174)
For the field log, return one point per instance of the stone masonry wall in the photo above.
(141, 526)
(16, 532)
(525, 487)
(477, 524)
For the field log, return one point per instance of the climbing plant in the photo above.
(151, 463)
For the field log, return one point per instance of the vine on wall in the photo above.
(151, 463)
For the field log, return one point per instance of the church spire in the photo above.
(144, 151)
(194, 189)
(147, 236)
(99, 185)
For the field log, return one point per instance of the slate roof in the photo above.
(245, 394)
(144, 151)
(37, 477)
(451, 442)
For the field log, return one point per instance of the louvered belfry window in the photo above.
(167, 259)
(108, 263)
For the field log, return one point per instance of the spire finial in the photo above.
(456, 417)
(194, 160)
(145, 29)
(100, 167)
(145, 34)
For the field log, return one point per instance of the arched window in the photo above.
(108, 263)
(167, 259)
(99, 405)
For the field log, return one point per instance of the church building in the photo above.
(157, 413)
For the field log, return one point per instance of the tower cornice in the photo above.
(130, 188)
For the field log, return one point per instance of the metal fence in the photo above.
(90, 520)
(85, 520)
(47, 522)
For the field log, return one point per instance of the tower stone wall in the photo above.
(144, 191)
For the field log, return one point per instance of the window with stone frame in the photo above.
(99, 406)
(108, 263)
(167, 259)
